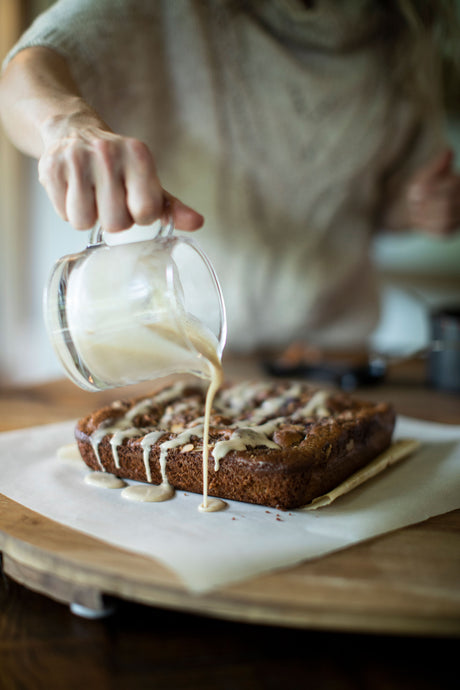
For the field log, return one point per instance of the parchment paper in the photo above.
(208, 550)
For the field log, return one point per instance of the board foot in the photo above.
(91, 614)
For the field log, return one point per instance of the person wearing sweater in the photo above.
(291, 131)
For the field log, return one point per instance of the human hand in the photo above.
(91, 173)
(434, 197)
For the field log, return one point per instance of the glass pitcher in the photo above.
(119, 314)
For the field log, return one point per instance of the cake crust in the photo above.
(276, 444)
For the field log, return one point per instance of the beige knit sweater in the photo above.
(278, 123)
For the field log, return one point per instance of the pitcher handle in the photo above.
(166, 228)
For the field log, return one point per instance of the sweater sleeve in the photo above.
(89, 33)
(63, 26)
(115, 50)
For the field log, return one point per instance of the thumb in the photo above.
(438, 166)
(185, 217)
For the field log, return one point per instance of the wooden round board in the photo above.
(391, 584)
(403, 582)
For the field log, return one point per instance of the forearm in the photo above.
(38, 95)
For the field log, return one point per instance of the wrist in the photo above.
(74, 117)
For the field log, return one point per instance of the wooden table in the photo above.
(403, 587)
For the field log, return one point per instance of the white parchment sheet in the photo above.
(208, 550)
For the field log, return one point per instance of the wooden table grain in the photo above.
(319, 633)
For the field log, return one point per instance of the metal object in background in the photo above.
(444, 351)
(343, 374)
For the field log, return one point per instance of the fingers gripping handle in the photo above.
(165, 227)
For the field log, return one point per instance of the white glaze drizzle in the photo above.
(118, 438)
(246, 437)
(316, 406)
(180, 440)
(272, 405)
(148, 493)
(139, 408)
(171, 411)
(237, 398)
(147, 442)
(104, 480)
(97, 436)
(165, 396)
(212, 505)
(70, 453)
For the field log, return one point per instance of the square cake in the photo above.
(278, 444)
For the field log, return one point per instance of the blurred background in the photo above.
(417, 274)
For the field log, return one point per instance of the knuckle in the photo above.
(108, 154)
(138, 148)
(141, 153)
(83, 223)
(85, 218)
(81, 209)
(76, 160)
(118, 225)
(49, 169)
(146, 206)
(116, 220)
(146, 213)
